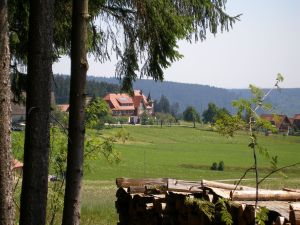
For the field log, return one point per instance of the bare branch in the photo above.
(274, 171)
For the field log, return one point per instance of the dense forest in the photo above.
(61, 88)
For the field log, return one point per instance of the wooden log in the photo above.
(127, 182)
(291, 189)
(207, 183)
(280, 220)
(156, 189)
(184, 186)
(136, 189)
(264, 195)
(295, 213)
(249, 214)
(160, 207)
(149, 206)
(121, 192)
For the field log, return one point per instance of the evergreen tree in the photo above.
(37, 132)
(149, 28)
(209, 114)
(6, 177)
(79, 67)
(163, 105)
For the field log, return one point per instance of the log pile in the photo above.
(176, 202)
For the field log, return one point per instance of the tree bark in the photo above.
(6, 178)
(79, 67)
(37, 132)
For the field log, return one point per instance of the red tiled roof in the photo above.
(277, 119)
(115, 103)
(296, 117)
(17, 164)
(126, 102)
(63, 107)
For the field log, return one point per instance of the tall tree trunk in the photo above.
(6, 180)
(79, 67)
(37, 132)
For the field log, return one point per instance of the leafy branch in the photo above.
(247, 111)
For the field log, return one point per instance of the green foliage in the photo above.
(144, 118)
(203, 206)
(222, 214)
(213, 113)
(96, 112)
(95, 148)
(190, 114)
(122, 135)
(262, 215)
(147, 119)
(209, 114)
(163, 105)
(227, 125)
(253, 123)
(137, 21)
(59, 117)
(221, 166)
(18, 145)
(61, 88)
(216, 213)
(214, 166)
(164, 118)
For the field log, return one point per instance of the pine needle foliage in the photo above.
(142, 34)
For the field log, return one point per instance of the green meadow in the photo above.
(181, 152)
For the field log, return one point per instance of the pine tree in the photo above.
(37, 132)
(6, 179)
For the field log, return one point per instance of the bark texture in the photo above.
(6, 179)
(37, 132)
(79, 67)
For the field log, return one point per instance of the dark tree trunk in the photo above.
(6, 180)
(79, 67)
(36, 148)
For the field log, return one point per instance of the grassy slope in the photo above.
(187, 153)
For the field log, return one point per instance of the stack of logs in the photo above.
(174, 202)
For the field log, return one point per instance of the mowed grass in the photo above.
(180, 152)
(187, 153)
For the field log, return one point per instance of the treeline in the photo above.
(210, 114)
(286, 101)
(61, 88)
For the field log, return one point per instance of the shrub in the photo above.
(214, 166)
(221, 166)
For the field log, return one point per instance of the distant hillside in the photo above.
(185, 94)
(286, 101)
(61, 88)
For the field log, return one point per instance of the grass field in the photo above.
(180, 152)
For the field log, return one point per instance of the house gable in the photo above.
(281, 122)
(124, 104)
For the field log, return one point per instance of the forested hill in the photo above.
(287, 101)
(61, 87)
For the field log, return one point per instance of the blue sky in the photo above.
(265, 42)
